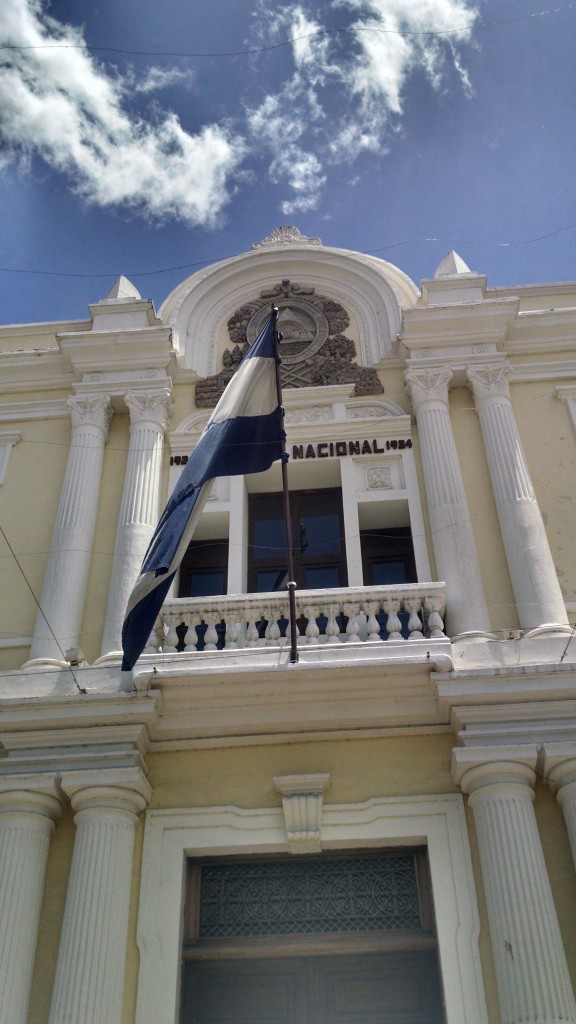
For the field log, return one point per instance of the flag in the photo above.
(244, 435)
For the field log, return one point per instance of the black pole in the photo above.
(287, 519)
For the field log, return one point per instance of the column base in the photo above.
(39, 664)
(548, 629)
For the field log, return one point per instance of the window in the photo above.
(204, 569)
(317, 535)
(311, 940)
(388, 557)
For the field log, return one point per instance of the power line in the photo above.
(366, 252)
(341, 30)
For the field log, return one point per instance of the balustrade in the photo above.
(353, 615)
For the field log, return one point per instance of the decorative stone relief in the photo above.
(285, 234)
(378, 478)
(314, 349)
(150, 406)
(428, 385)
(92, 411)
(312, 414)
(487, 381)
(302, 801)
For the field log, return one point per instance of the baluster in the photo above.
(171, 640)
(211, 636)
(272, 629)
(232, 635)
(332, 627)
(312, 629)
(191, 636)
(353, 627)
(435, 621)
(155, 639)
(391, 606)
(413, 605)
(372, 624)
(252, 634)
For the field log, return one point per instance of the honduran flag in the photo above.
(243, 435)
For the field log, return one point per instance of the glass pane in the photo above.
(269, 539)
(271, 579)
(387, 573)
(308, 896)
(321, 576)
(320, 534)
(204, 583)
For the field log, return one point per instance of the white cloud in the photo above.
(156, 79)
(59, 103)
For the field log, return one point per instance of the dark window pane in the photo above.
(269, 539)
(387, 573)
(206, 583)
(271, 580)
(320, 534)
(321, 576)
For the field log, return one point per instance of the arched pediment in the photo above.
(372, 291)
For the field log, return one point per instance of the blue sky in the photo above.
(382, 125)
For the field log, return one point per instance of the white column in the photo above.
(238, 537)
(139, 511)
(67, 572)
(560, 771)
(351, 522)
(452, 535)
(89, 982)
(536, 589)
(27, 819)
(531, 969)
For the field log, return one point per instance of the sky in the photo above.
(151, 139)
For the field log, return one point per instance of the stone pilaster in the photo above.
(531, 969)
(452, 536)
(139, 511)
(537, 592)
(89, 982)
(29, 807)
(59, 623)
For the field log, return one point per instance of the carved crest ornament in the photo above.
(314, 348)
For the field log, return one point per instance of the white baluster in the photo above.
(391, 606)
(435, 621)
(272, 629)
(155, 639)
(332, 627)
(191, 637)
(232, 635)
(312, 629)
(413, 605)
(353, 627)
(252, 635)
(372, 624)
(171, 640)
(211, 635)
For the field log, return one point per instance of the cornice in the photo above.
(117, 350)
(456, 325)
(543, 330)
(33, 409)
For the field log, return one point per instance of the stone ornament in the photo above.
(150, 406)
(315, 350)
(90, 411)
(379, 478)
(285, 234)
(428, 385)
(489, 381)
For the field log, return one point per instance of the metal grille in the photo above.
(308, 896)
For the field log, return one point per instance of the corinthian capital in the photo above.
(488, 381)
(426, 385)
(90, 410)
(150, 407)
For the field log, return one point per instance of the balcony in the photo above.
(354, 615)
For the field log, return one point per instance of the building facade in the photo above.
(383, 831)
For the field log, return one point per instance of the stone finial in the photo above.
(285, 234)
(452, 264)
(302, 800)
(123, 289)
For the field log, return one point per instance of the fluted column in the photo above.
(89, 982)
(560, 772)
(67, 572)
(452, 536)
(534, 580)
(531, 970)
(27, 819)
(139, 511)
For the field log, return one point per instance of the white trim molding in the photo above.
(172, 835)
(8, 438)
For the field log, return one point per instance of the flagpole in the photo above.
(287, 518)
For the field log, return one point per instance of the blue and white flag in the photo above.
(244, 435)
